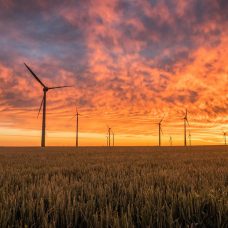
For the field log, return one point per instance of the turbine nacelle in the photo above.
(186, 117)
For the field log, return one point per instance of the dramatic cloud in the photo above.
(130, 62)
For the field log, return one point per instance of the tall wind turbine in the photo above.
(224, 134)
(160, 131)
(185, 126)
(43, 102)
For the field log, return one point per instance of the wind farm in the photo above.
(113, 113)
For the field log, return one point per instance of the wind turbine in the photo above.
(43, 103)
(113, 135)
(190, 138)
(110, 132)
(185, 125)
(224, 134)
(109, 136)
(170, 141)
(160, 130)
(77, 114)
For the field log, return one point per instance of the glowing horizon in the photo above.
(130, 62)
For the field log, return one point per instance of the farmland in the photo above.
(114, 187)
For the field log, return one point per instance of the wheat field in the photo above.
(114, 187)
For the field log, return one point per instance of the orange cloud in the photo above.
(130, 62)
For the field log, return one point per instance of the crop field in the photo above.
(114, 187)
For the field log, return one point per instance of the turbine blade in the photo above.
(72, 117)
(163, 118)
(187, 122)
(34, 75)
(186, 116)
(77, 112)
(59, 87)
(41, 104)
(162, 131)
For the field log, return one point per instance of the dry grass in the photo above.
(116, 187)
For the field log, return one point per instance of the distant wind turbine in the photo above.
(113, 136)
(170, 141)
(224, 134)
(43, 103)
(110, 132)
(160, 131)
(76, 115)
(109, 136)
(185, 126)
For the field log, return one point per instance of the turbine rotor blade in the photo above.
(162, 118)
(161, 131)
(34, 75)
(76, 111)
(72, 117)
(187, 122)
(41, 104)
(59, 87)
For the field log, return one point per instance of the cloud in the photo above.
(123, 57)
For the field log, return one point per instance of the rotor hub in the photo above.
(45, 89)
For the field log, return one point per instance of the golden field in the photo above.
(114, 187)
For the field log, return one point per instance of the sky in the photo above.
(130, 62)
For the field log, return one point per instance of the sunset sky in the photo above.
(131, 62)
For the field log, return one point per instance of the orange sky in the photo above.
(130, 62)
